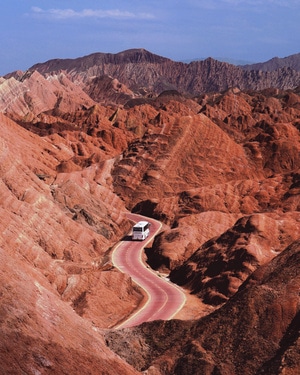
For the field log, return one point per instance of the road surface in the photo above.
(164, 298)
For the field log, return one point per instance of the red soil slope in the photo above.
(255, 332)
(222, 173)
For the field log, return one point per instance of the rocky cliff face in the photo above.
(221, 170)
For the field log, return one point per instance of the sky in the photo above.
(251, 31)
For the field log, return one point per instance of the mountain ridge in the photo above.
(139, 69)
(292, 61)
(134, 55)
(82, 147)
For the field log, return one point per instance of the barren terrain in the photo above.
(219, 169)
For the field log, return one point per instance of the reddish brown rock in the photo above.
(27, 96)
(220, 170)
(42, 334)
(255, 332)
(105, 90)
(217, 269)
(59, 221)
(173, 246)
(272, 187)
(189, 152)
(144, 72)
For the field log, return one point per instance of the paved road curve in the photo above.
(164, 298)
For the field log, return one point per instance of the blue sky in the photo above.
(248, 30)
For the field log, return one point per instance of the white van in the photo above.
(141, 230)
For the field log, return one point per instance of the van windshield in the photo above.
(138, 229)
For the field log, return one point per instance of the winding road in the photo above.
(164, 298)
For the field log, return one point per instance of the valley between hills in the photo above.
(209, 149)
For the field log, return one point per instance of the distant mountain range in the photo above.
(292, 62)
(145, 73)
(223, 59)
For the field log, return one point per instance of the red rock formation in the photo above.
(188, 152)
(220, 170)
(274, 181)
(144, 72)
(40, 333)
(255, 332)
(25, 97)
(218, 268)
(106, 90)
(62, 224)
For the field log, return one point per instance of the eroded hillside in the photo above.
(256, 332)
(221, 171)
